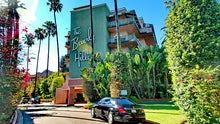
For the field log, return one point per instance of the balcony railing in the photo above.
(125, 38)
(65, 69)
(67, 43)
(67, 56)
(147, 29)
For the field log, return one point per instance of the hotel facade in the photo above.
(133, 33)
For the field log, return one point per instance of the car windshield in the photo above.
(124, 102)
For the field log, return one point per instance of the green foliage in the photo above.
(89, 92)
(44, 89)
(48, 86)
(11, 80)
(9, 93)
(102, 78)
(192, 33)
(148, 70)
(96, 79)
(88, 105)
(46, 100)
(56, 83)
(119, 73)
(197, 93)
(134, 99)
(138, 71)
(192, 44)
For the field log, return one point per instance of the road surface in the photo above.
(62, 115)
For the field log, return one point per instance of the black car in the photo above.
(25, 100)
(35, 100)
(118, 109)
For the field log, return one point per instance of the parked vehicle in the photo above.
(25, 100)
(35, 100)
(118, 109)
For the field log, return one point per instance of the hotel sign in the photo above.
(81, 55)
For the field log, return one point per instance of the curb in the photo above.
(20, 117)
(17, 118)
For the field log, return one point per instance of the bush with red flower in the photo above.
(12, 78)
(198, 94)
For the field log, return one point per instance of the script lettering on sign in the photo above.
(80, 56)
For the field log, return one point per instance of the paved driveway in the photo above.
(61, 115)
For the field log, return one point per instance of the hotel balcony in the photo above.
(67, 45)
(67, 58)
(130, 25)
(129, 41)
(66, 69)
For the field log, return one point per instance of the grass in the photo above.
(163, 112)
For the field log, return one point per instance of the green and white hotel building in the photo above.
(133, 33)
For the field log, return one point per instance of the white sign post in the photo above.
(124, 92)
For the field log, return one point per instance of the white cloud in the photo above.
(29, 14)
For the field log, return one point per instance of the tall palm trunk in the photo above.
(58, 52)
(48, 55)
(16, 37)
(91, 23)
(16, 33)
(28, 59)
(117, 27)
(35, 83)
(154, 80)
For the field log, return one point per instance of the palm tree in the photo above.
(154, 56)
(40, 35)
(50, 30)
(117, 26)
(171, 3)
(56, 6)
(91, 23)
(13, 30)
(29, 40)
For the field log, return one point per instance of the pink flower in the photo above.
(209, 79)
(26, 79)
(25, 29)
(15, 51)
(31, 35)
(25, 84)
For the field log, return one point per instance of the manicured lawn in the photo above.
(162, 112)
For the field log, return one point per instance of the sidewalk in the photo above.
(22, 118)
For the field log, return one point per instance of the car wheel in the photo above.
(110, 118)
(93, 115)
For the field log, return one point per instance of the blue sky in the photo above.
(37, 12)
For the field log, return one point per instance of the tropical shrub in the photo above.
(148, 72)
(44, 89)
(198, 95)
(102, 78)
(96, 80)
(192, 46)
(144, 70)
(89, 92)
(56, 83)
(119, 74)
(9, 94)
(48, 86)
(11, 77)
